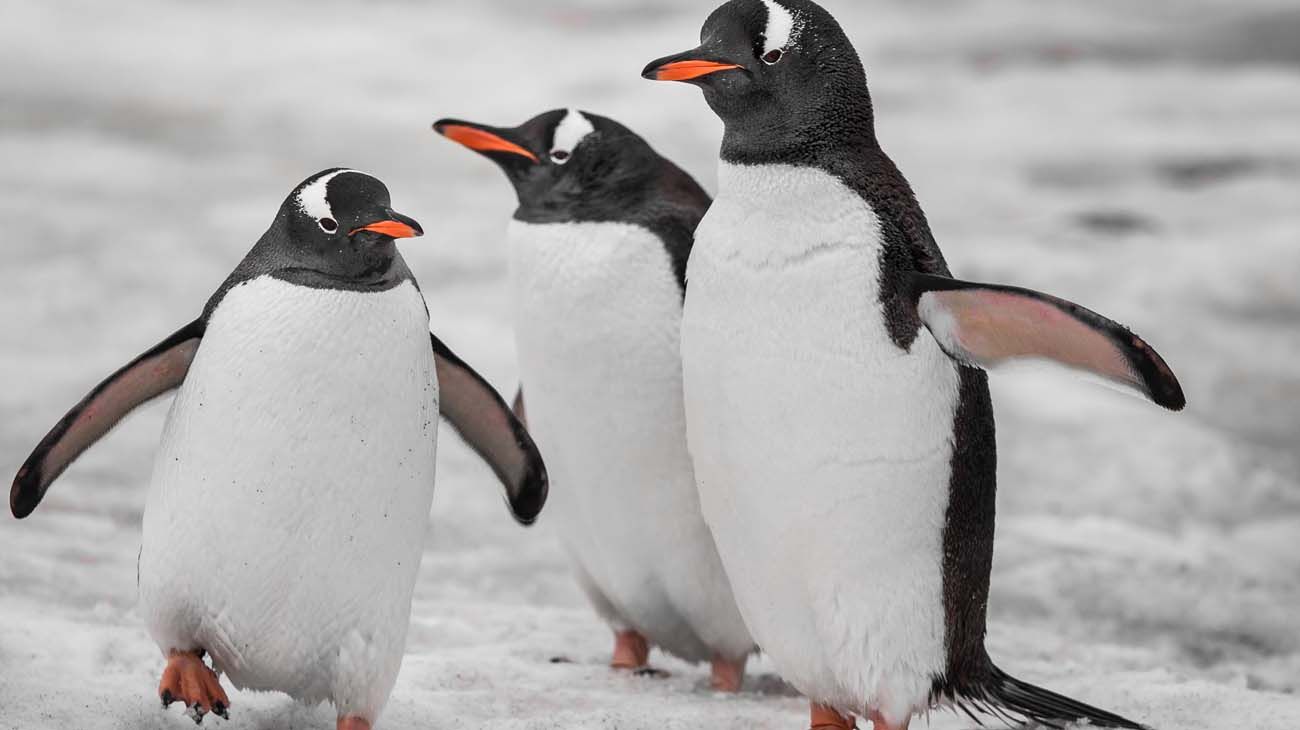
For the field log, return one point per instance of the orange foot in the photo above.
(631, 651)
(188, 679)
(728, 674)
(353, 722)
(824, 718)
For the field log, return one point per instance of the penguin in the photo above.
(285, 520)
(597, 259)
(837, 405)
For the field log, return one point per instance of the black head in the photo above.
(783, 77)
(337, 224)
(566, 164)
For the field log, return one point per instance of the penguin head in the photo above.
(782, 76)
(562, 162)
(339, 222)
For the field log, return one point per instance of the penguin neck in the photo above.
(382, 277)
(336, 264)
(594, 187)
(272, 256)
(841, 142)
(831, 135)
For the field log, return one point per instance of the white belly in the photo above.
(597, 323)
(822, 450)
(287, 512)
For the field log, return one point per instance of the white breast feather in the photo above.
(286, 516)
(597, 323)
(821, 449)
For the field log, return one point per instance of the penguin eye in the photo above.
(329, 225)
(560, 156)
(772, 56)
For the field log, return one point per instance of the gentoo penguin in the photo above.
(598, 249)
(285, 520)
(839, 420)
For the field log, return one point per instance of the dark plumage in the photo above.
(614, 177)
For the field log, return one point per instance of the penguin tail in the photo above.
(1013, 700)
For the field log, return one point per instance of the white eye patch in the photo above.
(312, 200)
(568, 133)
(779, 31)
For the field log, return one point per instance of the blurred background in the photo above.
(1142, 159)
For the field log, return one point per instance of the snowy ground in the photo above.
(1141, 158)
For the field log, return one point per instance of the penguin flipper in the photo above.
(160, 369)
(517, 407)
(485, 422)
(987, 324)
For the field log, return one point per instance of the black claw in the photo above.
(220, 710)
(650, 672)
(167, 698)
(561, 660)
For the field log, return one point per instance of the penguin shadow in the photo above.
(249, 711)
(291, 715)
(649, 672)
(766, 684)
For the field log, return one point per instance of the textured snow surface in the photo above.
(1141, 159)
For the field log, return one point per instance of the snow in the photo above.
(1143, 160)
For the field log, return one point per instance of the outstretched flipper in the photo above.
(482, 418)
(987, 324)
(157, 371)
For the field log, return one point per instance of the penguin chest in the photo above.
(821, 448)
(597, 324)
(286, 515)
(597, 321)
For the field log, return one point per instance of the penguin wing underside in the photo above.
(988, 324)
(485, 422)
(160, 369)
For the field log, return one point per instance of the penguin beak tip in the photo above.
(392, 229)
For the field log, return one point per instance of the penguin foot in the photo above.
(187, 679)
(824, 718)
(353, 722)
(727, 674)
(631, 650)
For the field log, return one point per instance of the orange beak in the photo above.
(481, 140)
(687, 70)
(392, 229)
